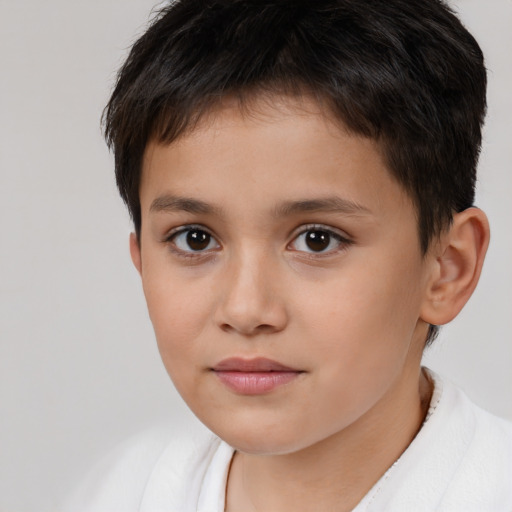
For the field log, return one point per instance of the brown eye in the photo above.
(198, 240)
(192, 240)
(317, 240)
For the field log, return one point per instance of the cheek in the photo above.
(179, 313)
(359, 315)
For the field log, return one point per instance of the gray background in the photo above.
(79, 369)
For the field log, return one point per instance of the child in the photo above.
(301, 179)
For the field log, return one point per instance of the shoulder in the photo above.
(485, 432)
(485, 469)
(158, 465)
(468, 453)
(460, 461)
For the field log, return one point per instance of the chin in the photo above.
(262, 440)
(258, 446)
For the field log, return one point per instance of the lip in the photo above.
(254, 376)
(257, 364)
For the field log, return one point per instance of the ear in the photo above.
(135, 252)
(456, 266)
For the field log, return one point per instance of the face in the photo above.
(282, 271)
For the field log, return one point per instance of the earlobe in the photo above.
(135, 252)
(457, 266)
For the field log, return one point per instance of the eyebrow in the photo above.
(170, 203)
(332, 204)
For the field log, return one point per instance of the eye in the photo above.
(318, 240)
(193, 239)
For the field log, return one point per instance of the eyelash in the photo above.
(342, 241)
(175, 233)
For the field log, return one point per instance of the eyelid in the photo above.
(185, 227)
(343, 238)
(320, 227)
(174, 232)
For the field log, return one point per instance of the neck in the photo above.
(335, 473)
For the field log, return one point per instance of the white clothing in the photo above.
(460, 461)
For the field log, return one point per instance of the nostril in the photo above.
(226, 328)
(249, 331)
(266, 329)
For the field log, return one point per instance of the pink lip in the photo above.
(254, 376)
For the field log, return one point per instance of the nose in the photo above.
(252, 301)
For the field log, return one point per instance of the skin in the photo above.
(352, 318)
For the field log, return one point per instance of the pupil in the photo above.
(198, 240)
(317, 240)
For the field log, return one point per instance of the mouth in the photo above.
(254, 376)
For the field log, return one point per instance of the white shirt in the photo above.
(460, 461)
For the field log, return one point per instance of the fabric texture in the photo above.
(461, 460)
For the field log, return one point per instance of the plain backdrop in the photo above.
(79, 368)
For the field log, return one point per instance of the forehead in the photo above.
(271, 151)
(249, 118)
